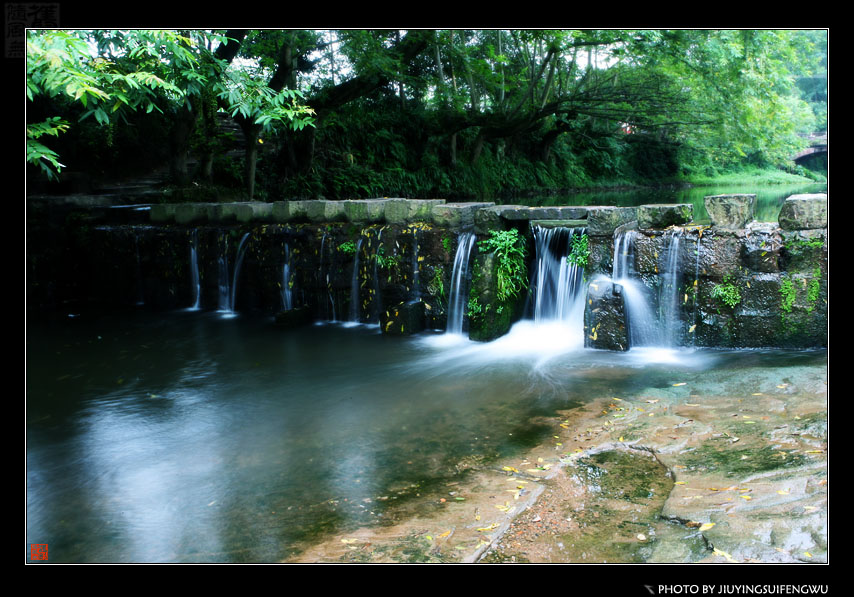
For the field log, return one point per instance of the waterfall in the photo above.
(640, 319)
(354, 285)
(458, 297)
(646, 326)
(228, 280)
(287, 293)
(558, 285)
(669, 292)
(323, 282)
(194, 272)
(415, 295)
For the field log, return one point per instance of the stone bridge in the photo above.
(818, 144)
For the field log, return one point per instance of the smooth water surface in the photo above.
(769, 198)
(188, 437)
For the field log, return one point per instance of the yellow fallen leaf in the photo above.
(349, 541)
(491, 527)
(807, 554)
(707, 526)
(679, 483)
(783, 492)
(445, 534)
(745, 497)
(510, 469)
(682, 383)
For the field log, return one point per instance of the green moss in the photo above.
(787, 294)
(712, 456)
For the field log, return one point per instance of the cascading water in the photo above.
(287, 291)
(669, 291)
(646, 327)
(194, 272)
(458, 296)
(558, 284)
(415, 294)
(228, 280)
(325, 288)
(354, 285)
(640, 319)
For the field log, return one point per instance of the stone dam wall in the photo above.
(736, 282)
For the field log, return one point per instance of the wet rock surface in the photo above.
(718, 468)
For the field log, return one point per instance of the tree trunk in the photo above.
(179, 145)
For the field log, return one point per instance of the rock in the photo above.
(293, 317)
(804, 212)
(662, 216)
(490, 317)
(495, 217)
(604, 316)
(404, 211)
(403, 319)
(364, 211)
(602, 221)
(287, 211)
(730, 211)
(457, 215)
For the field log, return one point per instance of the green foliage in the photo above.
(727, 293)
(579, 250)
(511, 264)
(348, 247)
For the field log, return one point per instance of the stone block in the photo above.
(162, 213)
(730, 211)
(457, 215)
(288, 211)
(364, 211)
(804, 212)
(664, 215)
(603, 220)
(323, 210)
(191, 213)
(404, 211)
(253, 211)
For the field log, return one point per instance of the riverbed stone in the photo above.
(404, 211)
(730, 211)
(604, 316)
(804, 212)
(603, 220)
(288, 211)
(364, 211)
(664, 215)
(457, 215)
